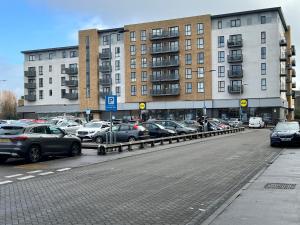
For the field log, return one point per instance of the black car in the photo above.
(157, 130)
(285, 133)
(32, 142)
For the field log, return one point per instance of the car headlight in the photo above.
(274, 135)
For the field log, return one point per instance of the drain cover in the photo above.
(280, 186)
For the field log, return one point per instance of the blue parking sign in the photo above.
(111, 103)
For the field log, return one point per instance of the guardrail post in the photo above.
(170, 141)
(129, 147)
(178, 139)
(161, 142)
(152, 144)
(142, 145)
(120, 148)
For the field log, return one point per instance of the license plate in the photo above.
(286, 139)
(5, 140)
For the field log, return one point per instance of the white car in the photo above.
(91, 128)
(256, 122)
(70, 127)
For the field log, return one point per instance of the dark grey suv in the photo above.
(35, 141)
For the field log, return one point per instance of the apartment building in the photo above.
(183, 68)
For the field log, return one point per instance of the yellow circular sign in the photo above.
(142, 105)
(244, 102)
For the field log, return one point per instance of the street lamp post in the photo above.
(241, 87)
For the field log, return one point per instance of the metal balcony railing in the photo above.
(30, 73)
(293, 73)
(164, 49)
(282, 42)
(293, 62)
(164, 77)
(105, 55)
(103, 94)
(294, 85)
(236, 89)
(30, 85)
(105, 81)
(165, 63)
(30, 98)
(105, 69)
(71, 96)
(283, 56)
(235, 73)
(293, 50)
(71, 83)
(231, 43)
(165, 92)
(283, 72)
(235, 58)
(164, 35)
(71, 71)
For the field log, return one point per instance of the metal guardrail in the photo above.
(103, 149)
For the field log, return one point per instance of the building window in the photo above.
(221, 71)
(144, 76)
(117, 65)
(221, 56)
(144, 62)
(41, 84)
(50, 68)
(188, 88)
(200, 28)
(50, 92)
(200, 58)
(64, 54)
(263, 69)
(143, 49)
(263, 84)
(31, 57)
(221, 43)
(50, 80)
(188, 44)
(200, 72)
(144, 90)
(40, 70)
(63, 68)
(73, 54)
(51, 55)
(118, 91)
(40, 57)
(132, 36)
(188, 59)
(263, 19)
(117, 52)
(263, 37)
(133, 76)
(235, 23)
(143, 35)
(188, 73)
(117, 78)
(263, 52)
(132, 49)
(188, 30)
(63, 92)
(200, 43)
(221, 86)
(118, 37)
(220, 24)
(105, 39)
(41, 94)
(174, 31)
(200, 87)
(133, 90)
(133, 63)
(63, 81)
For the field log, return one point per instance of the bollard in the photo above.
(142, 145)
(161, 142)
(129, 147)
(120, 148)
(152, 144)
(170, 141)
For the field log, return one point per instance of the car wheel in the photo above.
(98, 140)
(34, 154)
(81, 139)
(3, 159)
(131, 139)
(75, 149)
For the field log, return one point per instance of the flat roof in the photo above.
(274, 9)
(111, 30)
(50, 49)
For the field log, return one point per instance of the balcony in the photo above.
(71, 83)
(105, 81)
(293, 94)
(164, 49)
(30, 98)
(283, 89)
(165, 92)
(294, 85)
(283, 56)
(105, 69)
(164, 35)
(235, 43)
(30, 73)
(105, 55)
(165, 63)
(71, 96)
(165, 77)
(283, 72)
(293, 50)
(71, 71)
(288, 80)
(235, 58)
(293, 62)
(236, 89)
(289, 93)
(103, 94)
(293, 73)
(235, 73)
(30, 85)
(282, 42)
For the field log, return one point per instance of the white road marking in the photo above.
(26, 177)
(202, 210)
(15, 175)
(5, 182)
(46, 173)
(35, 171)
(64, 169)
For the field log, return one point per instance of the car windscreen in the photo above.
(11, 130)
(287, 126)
(93, 125)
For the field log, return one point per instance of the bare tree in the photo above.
(8, 105)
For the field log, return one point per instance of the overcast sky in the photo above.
(32, 24)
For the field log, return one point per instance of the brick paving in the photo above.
(181, 185)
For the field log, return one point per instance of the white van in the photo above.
(256, 122)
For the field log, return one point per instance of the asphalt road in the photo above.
(169, 185)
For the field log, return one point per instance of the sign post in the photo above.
(142, 106)
(111, 106)
(243, 104)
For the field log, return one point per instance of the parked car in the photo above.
(35, 141)
(235, 122)
(156, 130)
(285, 133)
(178, 127)
(70, 127)
(213, 126)
(193, 124)
(89, 129)
(256, 122)
(124, 133)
